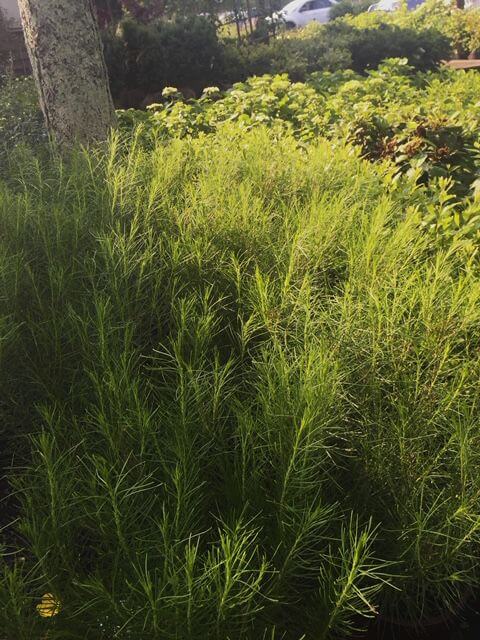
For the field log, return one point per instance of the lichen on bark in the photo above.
(66, 53)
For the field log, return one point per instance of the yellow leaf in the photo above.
(49, 606)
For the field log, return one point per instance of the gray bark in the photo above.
(65, 50)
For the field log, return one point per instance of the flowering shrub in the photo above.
(426, 124)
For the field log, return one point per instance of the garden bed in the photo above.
(239, 363)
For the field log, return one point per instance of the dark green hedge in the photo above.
(143, 59)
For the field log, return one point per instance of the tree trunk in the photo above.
(236, 11)
(249, 14)
(65, 50)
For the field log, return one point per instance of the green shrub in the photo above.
(4, 40)
(336, 46)
(461, 27)
(143, 59)
(293, 56)
(427, 147)
(424, 48)
(427, 125)
(250, 384)
(348, 7)
(267, 100)
(20, 118)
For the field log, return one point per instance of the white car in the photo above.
(300, 12)
(393, 5)
(385, 5)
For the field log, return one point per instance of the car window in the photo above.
(312, 5)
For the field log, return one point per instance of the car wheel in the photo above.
(290, 25)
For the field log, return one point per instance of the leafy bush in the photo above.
(296, 56)
(20, 116)
(424, 48)
(143, 59)
(461, 27)
(426, 147)
(4, 40)
(348, 7)
(335, 46)
(427, 124)
(250, 382)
